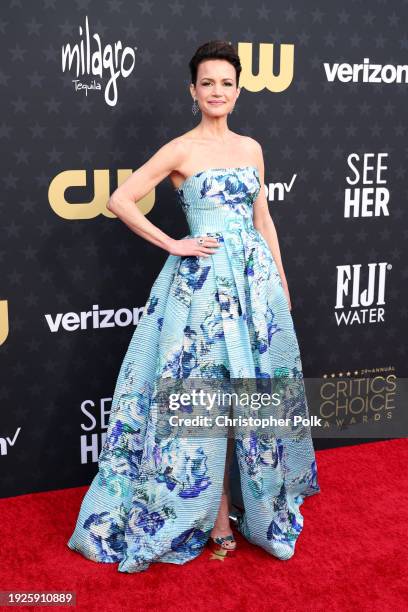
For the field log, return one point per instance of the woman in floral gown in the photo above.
(218, 313)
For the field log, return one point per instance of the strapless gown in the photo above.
(155, 499)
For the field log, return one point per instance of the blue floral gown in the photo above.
(155, 499)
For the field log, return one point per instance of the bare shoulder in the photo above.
(248, 145)
(179, 146)
(254, 151)
(169, 156)
(252, 145)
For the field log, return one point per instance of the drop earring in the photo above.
(195, 108)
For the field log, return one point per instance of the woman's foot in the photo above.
(223, 537)
(227, 543)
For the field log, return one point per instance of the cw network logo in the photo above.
(99, 184)
(265, 78)
(94, 319)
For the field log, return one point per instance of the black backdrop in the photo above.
(65, 148)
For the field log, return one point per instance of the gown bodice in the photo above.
(219, 200)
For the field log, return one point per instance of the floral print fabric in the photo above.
(155, 499)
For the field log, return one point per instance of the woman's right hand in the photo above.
(190, 246)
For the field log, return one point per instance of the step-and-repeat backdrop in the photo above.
(89, 91)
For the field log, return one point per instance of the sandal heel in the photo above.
(215, 545)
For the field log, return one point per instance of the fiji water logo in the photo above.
(360, 297)
(86, 60)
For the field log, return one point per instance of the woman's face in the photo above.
(216, 89)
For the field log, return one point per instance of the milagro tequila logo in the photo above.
(361, 305)
(93, 62)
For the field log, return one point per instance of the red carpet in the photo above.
(352, 554)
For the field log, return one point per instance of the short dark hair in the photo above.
(215, 49)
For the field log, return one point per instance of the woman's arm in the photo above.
(138, 185)
(124, 199)
(263, 220)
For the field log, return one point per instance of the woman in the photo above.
(219, 310)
